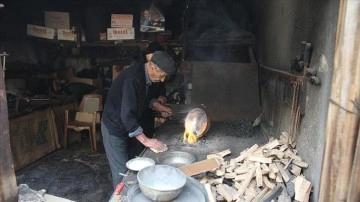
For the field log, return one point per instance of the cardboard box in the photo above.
(121, 20)
(66, 35)
(40, 31)
(58, 20)
(33, 136)
(200, 167)
(120, 33)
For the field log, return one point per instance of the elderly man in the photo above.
(156, 93)
(126, 101)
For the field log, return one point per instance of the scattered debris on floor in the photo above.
(76, 174)
(271, 172)
(28, 195)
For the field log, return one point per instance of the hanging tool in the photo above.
(3, 60)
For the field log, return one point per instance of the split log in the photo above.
(278, 178)
(226, 191)
(264, 167)
(251, 191)
(204, 180)
(283, 147)
(220, 172)
(261, 195)
(242, 169)
(241, 177)
(230, 175)
(230, 169)
(300, 164)
(296, 170)
(291, 155)
(246, 153)
(273, 152)
(219, 155)
(245, 183)
(249, 197)
(237, 185)
(260, 159)
(272, 175)
(272, 144)
(285, 138)
(224, 153)
(268, 183)
(283, 173)
(252, 183)
(302, 189)
(259, 180)
(216, 181)
(273, 168)
(209, 192)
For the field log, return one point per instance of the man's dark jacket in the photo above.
(126, 101)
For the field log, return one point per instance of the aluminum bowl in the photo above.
(161, 182)
(175, 158)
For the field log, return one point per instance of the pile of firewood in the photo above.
(271, 172)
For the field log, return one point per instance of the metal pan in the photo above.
(139, 163)
(197, 122)
(175, 158)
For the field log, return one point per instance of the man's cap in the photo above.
(153, 47)
(164, 61)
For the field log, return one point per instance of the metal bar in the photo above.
(282, 74)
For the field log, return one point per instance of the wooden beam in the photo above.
(342, 124)
(8, 187)
(354, 188)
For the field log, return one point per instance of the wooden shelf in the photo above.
(129, 43)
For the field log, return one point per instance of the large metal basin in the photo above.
(161, 182)
(175, 158)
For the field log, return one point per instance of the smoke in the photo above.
(217, 20)
(214, 24)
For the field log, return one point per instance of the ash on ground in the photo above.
(240, 128)
(237, 128)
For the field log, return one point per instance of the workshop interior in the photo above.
(265, 99)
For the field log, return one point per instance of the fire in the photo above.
(190, 137)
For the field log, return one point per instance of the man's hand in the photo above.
(151, 143)
(164, 110)
(162, 99)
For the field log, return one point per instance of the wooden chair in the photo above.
(86, 117)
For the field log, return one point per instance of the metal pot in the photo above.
(161, 182)
(175, 158)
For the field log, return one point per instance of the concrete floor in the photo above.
(77, 174)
